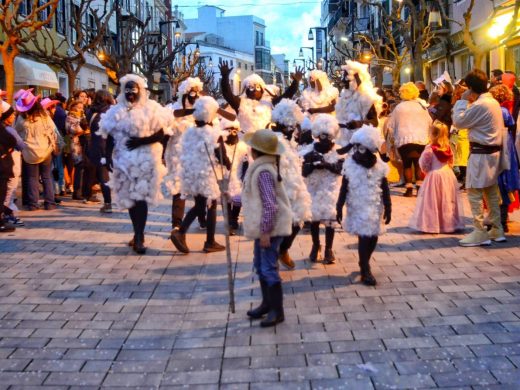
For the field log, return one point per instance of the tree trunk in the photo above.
(417, 74)
(71, 75)
(396, 77)
(479, 60)
(378, 74)
(8, 59)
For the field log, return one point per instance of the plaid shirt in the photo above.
(266, 186)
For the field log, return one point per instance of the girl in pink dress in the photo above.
(438, 208)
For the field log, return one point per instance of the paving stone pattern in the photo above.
(79, 310)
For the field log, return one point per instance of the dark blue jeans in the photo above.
(265, 261)
(34, 173)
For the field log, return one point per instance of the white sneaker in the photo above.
(476, 238)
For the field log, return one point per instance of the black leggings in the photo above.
(288, 241)
(198, 210)
(366, 246)
(138, 215)
(410, 154)
(315, 234)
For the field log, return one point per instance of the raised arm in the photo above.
(234, 101)
(293, 88)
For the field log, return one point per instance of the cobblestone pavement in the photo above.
(79, 310)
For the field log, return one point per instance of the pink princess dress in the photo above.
(438, 208)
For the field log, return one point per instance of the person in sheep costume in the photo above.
(319, 96)
(137, 125)
(287, 117)
(322, 172)
(196, 173)
(359, 102)
(236, 165)
(303, 134)
(189, 92)
(252, 108)
(365, 189)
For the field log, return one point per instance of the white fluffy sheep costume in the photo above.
(288, 113)
(323, 185)
(355, 102)
(364, 196)
(312, 98)
(238, 154)
(254, 114)
(138, 173)
(196, 173)
(173, 148)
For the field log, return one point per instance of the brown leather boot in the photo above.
(286, 260)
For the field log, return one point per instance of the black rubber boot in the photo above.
(366, 246)
(275, 302)
(138, 246)
(138, 215)
(178, 238)
(263, 309)
(315, 254)
(329, 257)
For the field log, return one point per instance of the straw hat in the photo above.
(26, 101)
(264, 141)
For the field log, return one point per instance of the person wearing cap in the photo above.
(320, 96)
(322, 172)
(252, 107)
(287, 117)
(442, 110)
(189, 91)
(481, 114)
(7, 119)
(359, 103)
(197, 176)
(267, 220)
(238, 157)
(138, 126)
(37, 130)
(365, 190)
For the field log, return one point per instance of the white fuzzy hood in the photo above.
(287, 113)
(325, 124)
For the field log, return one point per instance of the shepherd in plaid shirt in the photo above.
(267, 220)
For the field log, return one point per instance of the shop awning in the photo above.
(29, 72)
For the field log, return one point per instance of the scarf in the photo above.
(442, 155)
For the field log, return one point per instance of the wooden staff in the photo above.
(223, 185)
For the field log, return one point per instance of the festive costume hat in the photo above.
(205, 109)
(369, 137)
(26, 101)
(325, 124)
(287, 113)
(189, 84)
(48, 103)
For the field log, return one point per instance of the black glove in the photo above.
(225, 69)
(307, 169)
(135, 142)
(354, 125)
(313, 157)
(339, 213)
(305, 138)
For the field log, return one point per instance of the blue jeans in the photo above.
(58, 166)
(265, 261)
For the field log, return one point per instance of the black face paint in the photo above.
(254, 92)
(131, 92)
(304, 137)
(324, 145)
(192, 97)
(363, 156)
(232, 138)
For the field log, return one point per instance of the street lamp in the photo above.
(310, 37)
(307, 47)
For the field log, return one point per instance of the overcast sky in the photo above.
(287, 22)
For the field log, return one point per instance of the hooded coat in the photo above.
(137, 174)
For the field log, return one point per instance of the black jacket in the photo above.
(442, 111)
(96, 146)
(7, 144)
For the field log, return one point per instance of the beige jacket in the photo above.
(252, 202)
(485, 125)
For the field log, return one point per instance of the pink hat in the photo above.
(48, 103)
(20, 92)
(26, 101)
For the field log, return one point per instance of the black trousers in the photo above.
(410, 154)
(200, 209)
(366, 246)
(138, 215)
(3, 194)
(92, 174)
(288, 241)
(178, 206)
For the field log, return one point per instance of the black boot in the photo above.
(366, 246)
(178, 238)
(263, 309)
(275, 302)
(408, 193)
(211, 245)
(315, 254)
(178, 205)
(329, 257)
(138, 245)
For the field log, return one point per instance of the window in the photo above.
(74, 13)
(60, 17)
(92, 26)
(45, 13)
(25, 7)
(257, 40)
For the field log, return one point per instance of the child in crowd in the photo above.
(267, 219)
(438, 208)
(76, 126)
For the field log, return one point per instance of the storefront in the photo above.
(33, 74)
